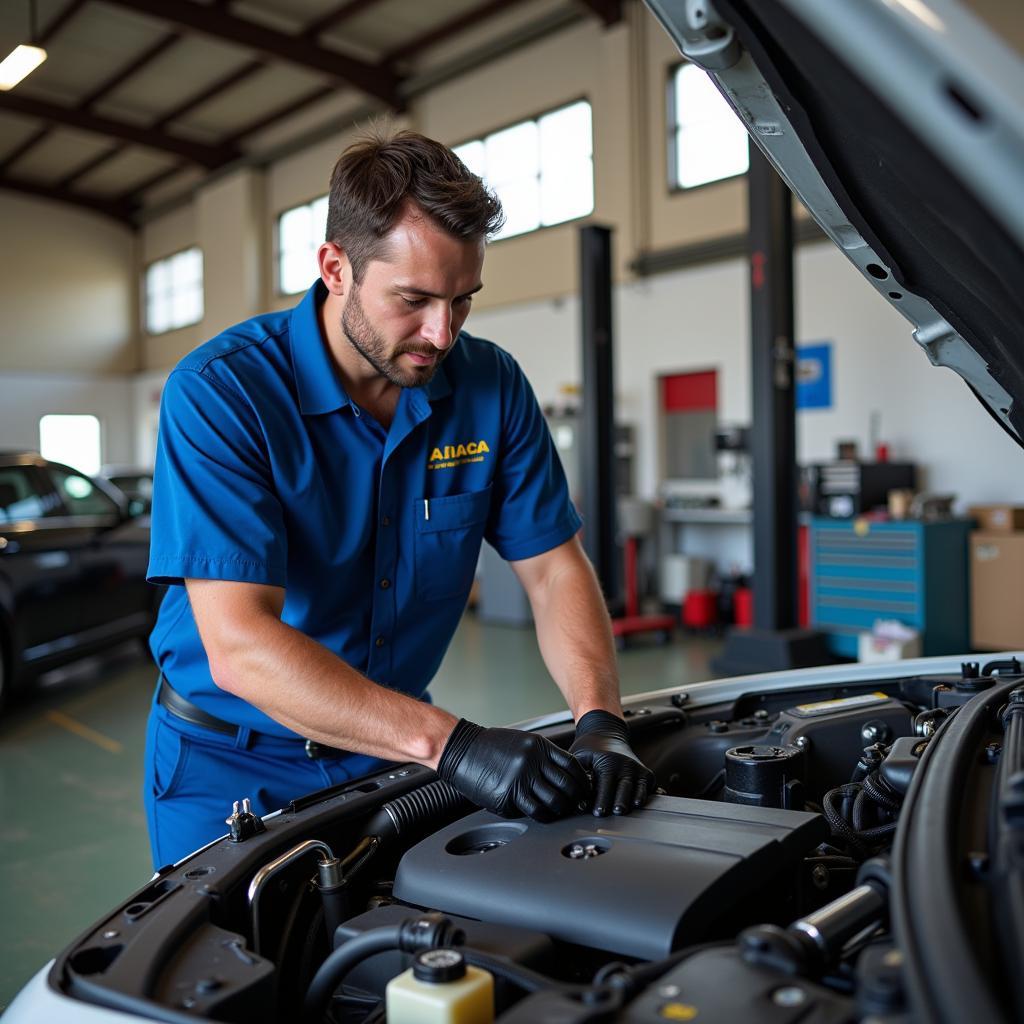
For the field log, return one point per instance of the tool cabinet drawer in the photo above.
(916, 573)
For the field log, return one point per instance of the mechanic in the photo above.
(324, 479)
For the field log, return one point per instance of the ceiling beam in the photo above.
(60, 21)
(197, 152)
(449, 28)
(119, 211)
(380, 82)
(133, 67)
(19, 151)
(609, 11)
(332, 19)
(266, 120)
(130, 194)
(232, 78)
(90, 165)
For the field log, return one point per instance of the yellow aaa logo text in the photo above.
(457, 454)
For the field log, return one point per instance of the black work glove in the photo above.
(512, 773)
(621, 781)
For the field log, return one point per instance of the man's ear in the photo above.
(335, 269)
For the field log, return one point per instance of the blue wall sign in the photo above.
(814, 376)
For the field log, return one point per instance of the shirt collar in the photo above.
(319, 388)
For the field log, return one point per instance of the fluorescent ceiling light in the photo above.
(21, 61)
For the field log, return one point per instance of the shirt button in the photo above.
(379, 641)
(384, 584)
(386, 521)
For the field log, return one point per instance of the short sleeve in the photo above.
(216, 514)
(531, 511)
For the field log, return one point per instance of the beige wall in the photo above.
(69, 290)
(622, 71)
(227, 221)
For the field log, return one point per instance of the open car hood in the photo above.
(900, 126)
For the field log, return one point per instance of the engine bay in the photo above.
(757, 881)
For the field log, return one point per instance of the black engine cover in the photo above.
(639, 885)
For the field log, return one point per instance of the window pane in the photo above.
(541, 170)
(318, 222)
(300, 233)
(567, 192)
(188, 268)
(521, 201)
(174, 291)
(187, 307)
(294, 272)
(184, 271)
(711, 142)
(566, 134)
(294, 228)
(158, 278)
(73, 440)
(513, 154)
(473, 155)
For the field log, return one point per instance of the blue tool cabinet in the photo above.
(914, 572)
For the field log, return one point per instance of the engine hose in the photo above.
(879, 790)
(334, 969)
(640, 975)
(859, 839)
(860, 806)
(840, 827)
(437, 801)
(872, 835)
(521, 977)
(416, 933)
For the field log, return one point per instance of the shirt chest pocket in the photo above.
(449, 532)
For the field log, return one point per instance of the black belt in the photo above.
(184, 709)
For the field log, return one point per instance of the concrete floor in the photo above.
(73, 834)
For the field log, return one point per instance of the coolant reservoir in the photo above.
(441, 988)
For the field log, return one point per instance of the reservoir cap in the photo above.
(439, 965)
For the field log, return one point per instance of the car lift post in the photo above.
(597, 445)
(774, 642)
(597, 417)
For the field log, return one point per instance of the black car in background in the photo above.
(135, 482)
(72, 567)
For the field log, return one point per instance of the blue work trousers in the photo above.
(193, 775)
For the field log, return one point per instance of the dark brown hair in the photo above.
(377, 174)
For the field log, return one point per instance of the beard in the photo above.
(370, 344)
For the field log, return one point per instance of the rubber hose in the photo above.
(429, 803)
(857, 818)
(870, 835)
(644, 974)
(881, 792)
(862, 807)
(839, 825)
(522, 977)
(333, 970)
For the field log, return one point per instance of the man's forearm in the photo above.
(575, 637)
(302, 685)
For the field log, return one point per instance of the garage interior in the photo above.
(163, 176)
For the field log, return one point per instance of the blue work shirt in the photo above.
(267, 472)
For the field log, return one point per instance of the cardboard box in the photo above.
(889, 641)
(997, 591)
(998, 518)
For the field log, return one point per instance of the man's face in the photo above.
(405, 314)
